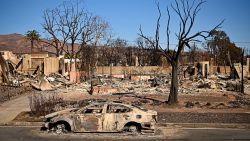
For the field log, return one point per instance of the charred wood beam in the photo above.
(5, 70)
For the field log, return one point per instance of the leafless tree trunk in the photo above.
(187, 13)
(242, 71)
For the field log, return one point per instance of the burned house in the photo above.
(44, 62)
(31, 63)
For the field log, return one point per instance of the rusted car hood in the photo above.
(151, 112)
(51, 115)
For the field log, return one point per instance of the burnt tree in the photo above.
(4, 70)
(53, 26)
(95, 29)
(187, 12)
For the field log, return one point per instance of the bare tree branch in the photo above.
(186, 12)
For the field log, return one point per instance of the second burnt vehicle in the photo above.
(102, 117)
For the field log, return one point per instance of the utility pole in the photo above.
(242, 79)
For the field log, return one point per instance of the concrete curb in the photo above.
(205, 125)
(28, 124)
(170, 125)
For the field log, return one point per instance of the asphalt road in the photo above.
(176, 134)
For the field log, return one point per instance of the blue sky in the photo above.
(125, 17)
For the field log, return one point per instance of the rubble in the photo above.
(233, 86)
(206, 83)
(224, 77)
(51, 79)
(14, 77)
(102, 85)
(156, 82)
(42, 85)
(137, 86)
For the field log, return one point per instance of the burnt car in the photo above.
(102, 117)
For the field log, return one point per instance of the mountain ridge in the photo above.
(17, 43)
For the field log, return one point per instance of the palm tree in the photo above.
(32, 35)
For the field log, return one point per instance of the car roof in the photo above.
(119, 103)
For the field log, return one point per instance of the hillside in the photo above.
(17, 43)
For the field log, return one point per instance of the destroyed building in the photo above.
(47, 64)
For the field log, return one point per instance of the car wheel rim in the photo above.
(60, 128)
(132, 129)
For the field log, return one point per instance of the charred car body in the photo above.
(102, 117)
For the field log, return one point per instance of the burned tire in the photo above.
(133, 129)
(60, 128)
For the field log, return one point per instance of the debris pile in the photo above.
(206, 83)
(101, 85)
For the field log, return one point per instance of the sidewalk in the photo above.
(10, 109)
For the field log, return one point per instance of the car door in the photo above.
(90, 119)
(115, 117)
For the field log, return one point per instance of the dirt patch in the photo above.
(191, 117)
(27, 116)
(200, 102)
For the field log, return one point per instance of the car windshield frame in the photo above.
(141, 108)
(120, 112)
(81, 111)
